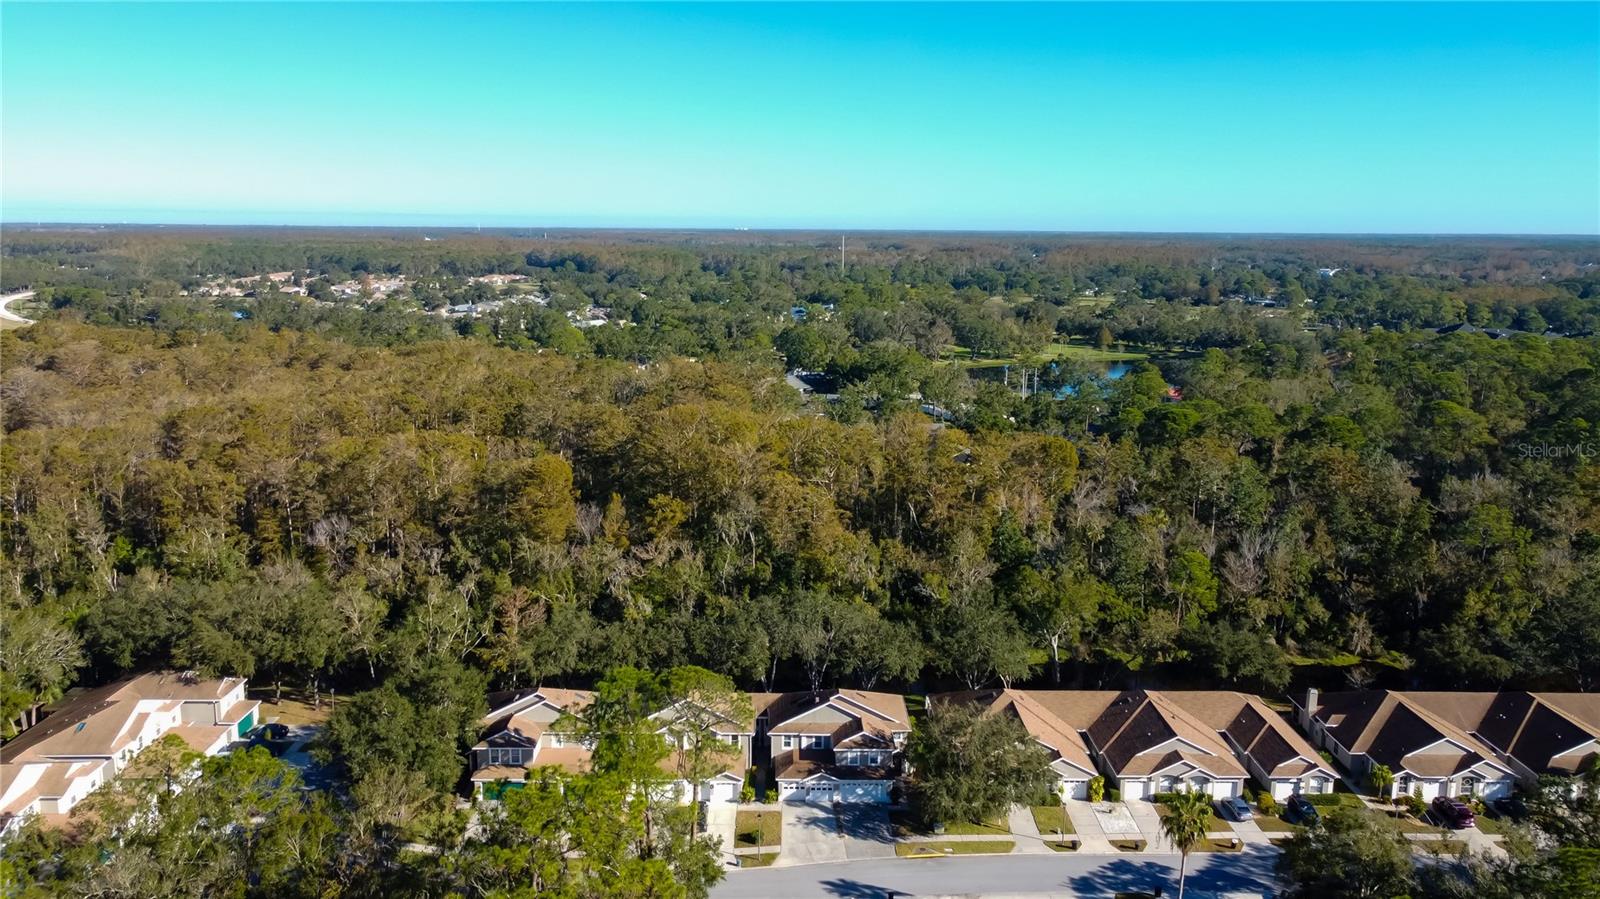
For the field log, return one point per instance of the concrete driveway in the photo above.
(867, 832)
(721, 818)
(810, 836)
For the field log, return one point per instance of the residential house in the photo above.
(833, 746)
(52, 766)
(726, 784)
(525, 729)
(1047, 715)
(1455, 744)
(1146, 742)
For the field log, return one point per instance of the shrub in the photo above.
(1324, 800)
(1166, 798)
(1097, 788)
(1266, 803)
(1413, 804)
(748, 794)
(772, 795)
(1113, 794)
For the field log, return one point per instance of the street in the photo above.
(1210, 875)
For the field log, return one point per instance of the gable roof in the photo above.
(1143, 723)
(101, 722)
(1394, 727)
(1254, 729)
(1037, 716)
(878, 715)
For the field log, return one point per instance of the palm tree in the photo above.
(1184, 823)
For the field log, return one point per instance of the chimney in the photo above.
(1310, 707)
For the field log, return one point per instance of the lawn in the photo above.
(1441, 847)
(953, 847)
(906, 825)
(1050, 352)
(1493, 825)
(1408, 824)
(757, 861)
(293, 710)
(1210, 845)
(1213, 821)
(1275, 824)
(1129, 845)
(758, 828)
(1069, 846)
(1050, 819)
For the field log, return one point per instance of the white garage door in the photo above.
(1282, 789)
(1075, 789)
(1497, 789)
(1225, 789)
(864, 791)
(808, 792)
(1133, 789)
(721, 791)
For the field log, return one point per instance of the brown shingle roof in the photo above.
(1392, 727)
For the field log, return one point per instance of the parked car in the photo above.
(1301, 810)
(1453, 813)
(1234, 808)
(1510, 807)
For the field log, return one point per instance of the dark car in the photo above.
(1453, 813)
(1301, 810)
(1511, 807)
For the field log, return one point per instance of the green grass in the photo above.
(1050, 352)
(758, 829)
(1441, 847)
(1492, 825)
(757, 861)
(906, 825)
(1408, 824)
(1050, 819)
(1213, 822)
(1069, 846)
(1276, 824)
(1129, 845)
(1210, 845)
(961, 847)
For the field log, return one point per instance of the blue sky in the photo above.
(1231, 117)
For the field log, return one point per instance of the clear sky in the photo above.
(1230, 117)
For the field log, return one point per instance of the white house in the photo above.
(52, 766)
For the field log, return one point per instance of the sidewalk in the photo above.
(1026, 830)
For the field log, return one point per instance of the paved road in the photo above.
(10, 316)
(1067, 874)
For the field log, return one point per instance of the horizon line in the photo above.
(779, 229)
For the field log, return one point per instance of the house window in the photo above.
(821, 742)
(1319, 785)
(788, 742)
(1469, 786)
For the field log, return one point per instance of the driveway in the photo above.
(867, 832)
(721, 818)
(810, 836)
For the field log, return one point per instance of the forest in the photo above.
(363, 496)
